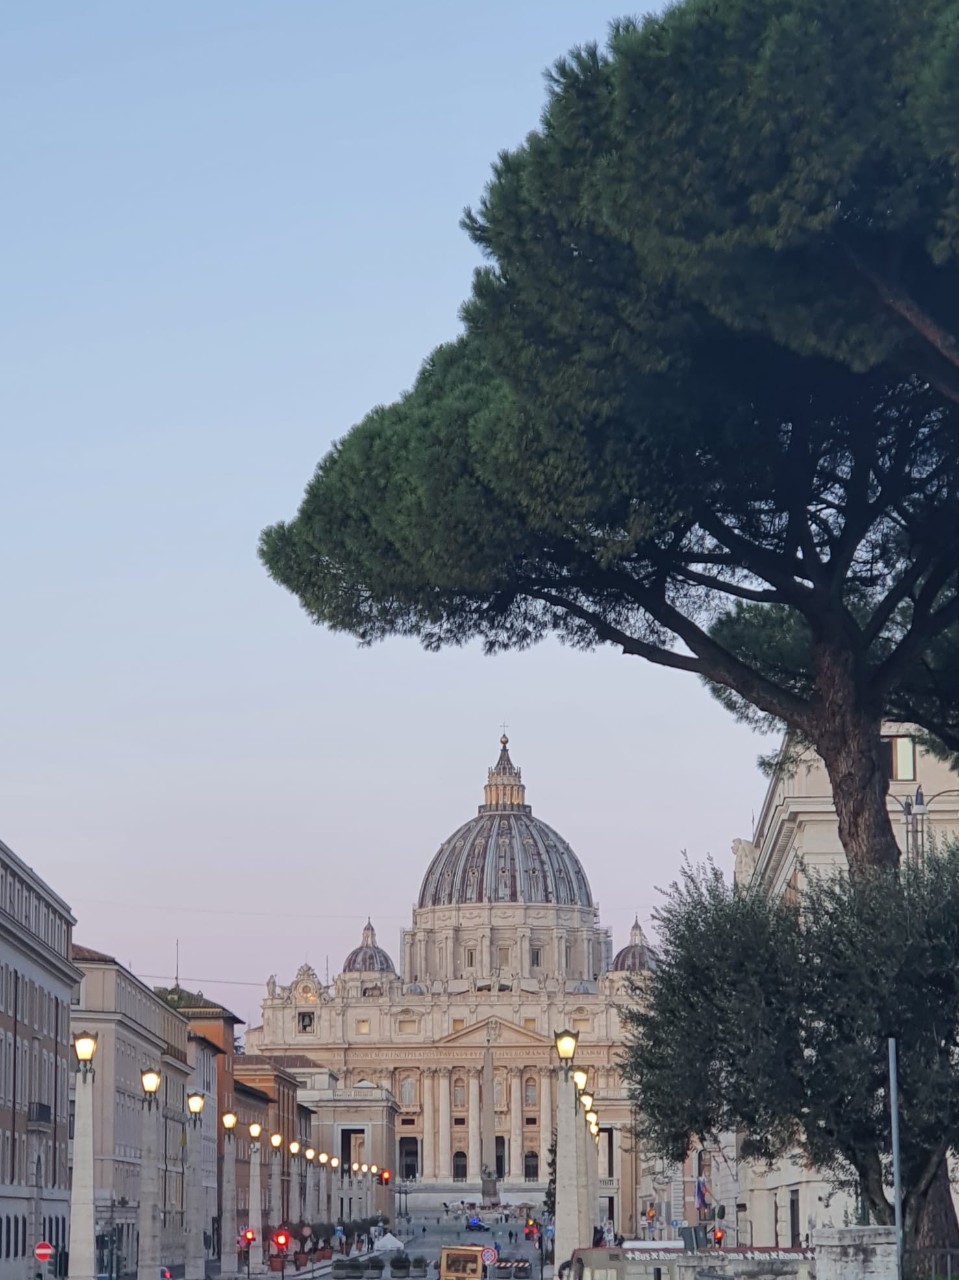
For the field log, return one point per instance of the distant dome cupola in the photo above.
(633, 958)
(368, 957)
(504, 854)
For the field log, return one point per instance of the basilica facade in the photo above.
(443, 1069)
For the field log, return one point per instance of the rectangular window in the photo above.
(531, 1120)
(408, 1120)
(470, 958)
(406, 1024)
(459, 1024)
(459, 1119)
(304, 1023)
(536, 957)
(362, 1026)
(581, 1024)
(503, 957)
(529, 1024)
(901, 759)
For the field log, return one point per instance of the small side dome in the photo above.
(368, 957)
(634, 958)
(415, 989)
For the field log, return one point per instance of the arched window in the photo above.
(531, 1166)
(459, 1166)
(529, 1092)
(459, 1092)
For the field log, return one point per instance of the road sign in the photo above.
(489, 1256)
(43, 1252)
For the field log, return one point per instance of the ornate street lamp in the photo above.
(276, 1188)
(194, 1252)
(566, 1042)
(580, 1076)
(256, 1199)
(82, 1211)
(587, 1100)
(148, 1217)
(228, 1193)
(195, 1103)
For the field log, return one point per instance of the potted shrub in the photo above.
(418, 1267)
(354, 1268)
(374, 1265)
(400, 1265)
(339, 1265)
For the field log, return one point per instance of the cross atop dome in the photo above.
(504, 788)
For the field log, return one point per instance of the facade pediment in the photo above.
(496, 1031)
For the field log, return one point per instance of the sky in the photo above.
(229, 230)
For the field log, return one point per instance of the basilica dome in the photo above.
(635, 957)
(504, 854)
(368, 957)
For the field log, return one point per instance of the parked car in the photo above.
(477, 1224)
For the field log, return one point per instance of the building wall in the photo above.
(36, 980)
(135, 1030)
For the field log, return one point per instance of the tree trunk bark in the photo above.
(846, 734)
(937, 1225)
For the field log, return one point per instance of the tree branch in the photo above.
(896, 298)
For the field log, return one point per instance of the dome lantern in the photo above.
(633, 958)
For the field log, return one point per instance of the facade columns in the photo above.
(445, 1170)
(545, 1121)
(515, 1125)
(428, 1170)
(474, 1120)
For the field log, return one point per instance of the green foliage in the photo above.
(772, 1020)
(549, 1199)
(705, 405)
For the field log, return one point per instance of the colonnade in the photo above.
(442, 1137)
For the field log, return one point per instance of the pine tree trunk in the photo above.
(847, 737)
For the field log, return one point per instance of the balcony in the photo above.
(39, 1117)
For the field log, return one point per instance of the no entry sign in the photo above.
(43, 1251)
(488, 1255)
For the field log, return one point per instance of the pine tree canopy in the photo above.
(772, 1020)
(705, 405)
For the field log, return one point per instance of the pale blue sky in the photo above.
(229, 229)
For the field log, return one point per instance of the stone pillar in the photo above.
(256, 1207)
(445, 1172)
(311, 1208)
(515, 1125)
(194, 1252)
(428, 1170)
(545, 1121)
(148, 1216)
(568, 1172)
(228, 1231)
(82, 1213)
(474, 1122)
(276, 1189)
(855, 1253)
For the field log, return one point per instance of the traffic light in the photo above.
(385, 1176)
(249, 1235)
(719, 1235)
(281, 1239)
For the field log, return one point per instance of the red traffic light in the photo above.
(719, 1235)
(249, 1235)
(281, 1239)
(385, 1176)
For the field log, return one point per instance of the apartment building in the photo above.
(36, 981)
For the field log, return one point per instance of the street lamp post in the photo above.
(148, 1214)
(365, 1189)
(276, 1189)
(334, 1167)
(195, 1258)
(296, 1186)
(228, 1247)
(255, 1255)
(324, 1211)
(82, 1212)
(566, 1238)
(309, 1196)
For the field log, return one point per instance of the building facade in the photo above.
(796, 837)
(449, 1062)
(135, 1029)
(36, 982)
